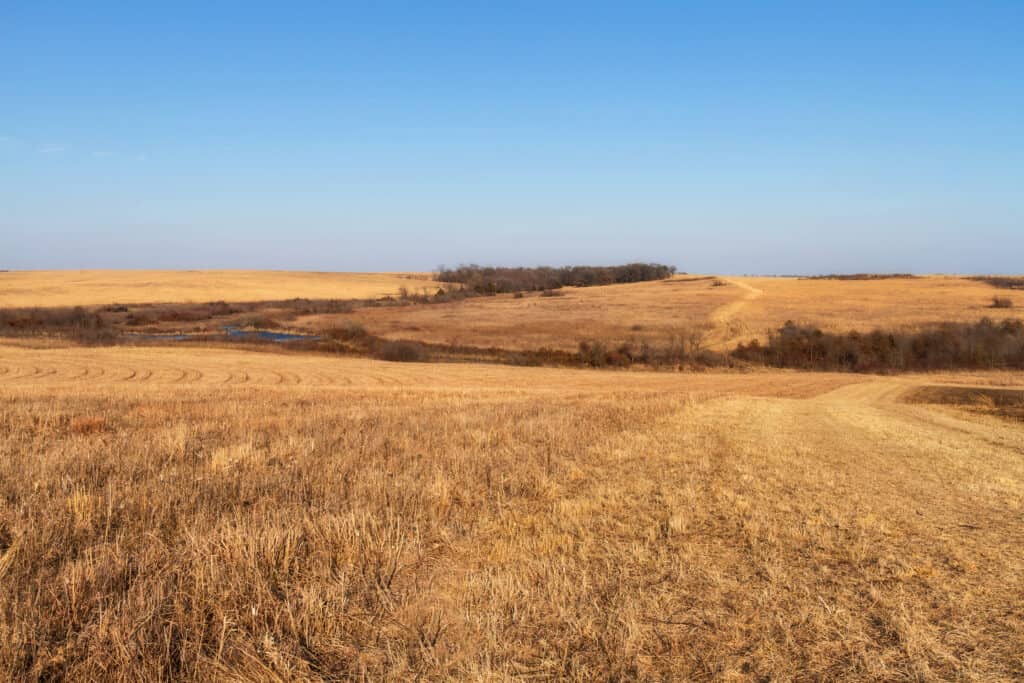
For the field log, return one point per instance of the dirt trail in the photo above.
(869, 406)
(725, 330)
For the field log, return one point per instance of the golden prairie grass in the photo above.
(87, 424)
(613, 312)
(864, 305)
(100, 287)
(745, 308)
(52, 365)
(368, 520)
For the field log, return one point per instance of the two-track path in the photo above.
(725, 331)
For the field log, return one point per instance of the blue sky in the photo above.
(728, 137)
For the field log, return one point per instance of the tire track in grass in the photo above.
(45, 373)
(82, 375)
(723, 335)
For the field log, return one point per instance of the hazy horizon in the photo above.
(680, 271)
(792, 139)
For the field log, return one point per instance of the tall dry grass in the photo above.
(863, 305)
(613, 313)
(197, 532)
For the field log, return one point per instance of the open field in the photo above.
(657, 308)
(116, 368)
(863, 305)
(556, 447)
(100, 287)
(743, 309)
(197, 513)
(208, 511)
(724, 311)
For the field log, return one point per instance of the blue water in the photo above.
(268, 336)
(234, 332)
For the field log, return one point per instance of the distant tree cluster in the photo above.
(862, 276)
(489, 280)
(947, 346)
(1001, 281)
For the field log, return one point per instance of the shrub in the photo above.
(1001, 302)
(74, 323)
(683, 348)
(136, 319)
(947, 346)
(258, 322)
(593, 353)
(347, 331)
(524, 358)
(403, 352)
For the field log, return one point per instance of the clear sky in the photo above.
(735, 137)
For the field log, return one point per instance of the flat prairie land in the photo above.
(728, 310)
(101, 287)
(615, 312)
(863, 305)
(725, 310)
(202, 513)
(115, 368)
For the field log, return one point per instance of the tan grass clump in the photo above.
(90, 424)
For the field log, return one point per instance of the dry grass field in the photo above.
(725, 310)
(863, 305)
(613, 312)
(743, 309)
(100, 287)
(206, 513)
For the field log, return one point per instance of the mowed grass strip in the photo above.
(24, 364)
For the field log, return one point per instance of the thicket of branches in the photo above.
(861, 276)
(76, 322)
(489, 280)
(946, 346)
(1001, 281)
